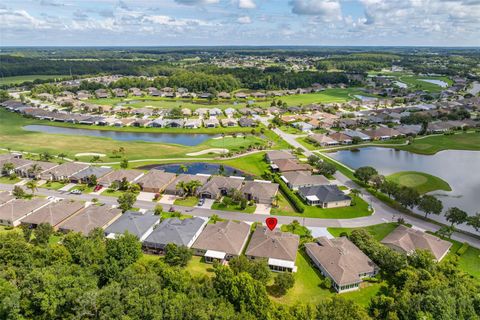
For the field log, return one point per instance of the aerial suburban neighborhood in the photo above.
(246, 159)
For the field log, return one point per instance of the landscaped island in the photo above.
(420, 181)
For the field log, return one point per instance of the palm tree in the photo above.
(8, 168)
(34, 170)
(182, 185)
(62, 155)
(275, 199)
(193, 186)
(32, 185)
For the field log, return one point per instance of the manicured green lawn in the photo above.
(308, 286)
(167, 215)
(83, 187)
(415, 82)
(233, 207)
(53, 185)
(187, 202)
(420, 181)
(112, 193)
(290, 129)
(198, 267)
(20, 79)
(8, 180)
(254, 163)
(236, 144)
(299, 230)
(378, 231)
(360, 209)
(434, 144)
(469, 262)
(308, 144)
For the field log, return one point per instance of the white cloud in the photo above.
(244, 20)
(196, 2)
(247, 4)
(329, 10)
(21, 19)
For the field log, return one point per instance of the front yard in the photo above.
(233, 206)
(186, 202)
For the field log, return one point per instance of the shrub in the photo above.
(290, 195)
(463, 249)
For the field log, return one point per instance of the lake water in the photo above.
(461, 169)
(440, 83)
(185, 139)
(197, 167)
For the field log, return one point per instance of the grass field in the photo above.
(20, 79)
(378, 231)
(420, 181)
(53, 185)
(416, 83)
(326, 96)
(8, 180)
(233, 207)
(13, 136)
(434, 144)
(469, 262)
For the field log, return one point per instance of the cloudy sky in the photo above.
(240, 22)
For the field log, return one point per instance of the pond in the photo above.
(186, 139)
(440, 83)
(460, 168)
(197, 167)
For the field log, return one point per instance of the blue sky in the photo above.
(240, 22)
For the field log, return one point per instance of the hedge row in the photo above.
(463, 249)
(297, 203)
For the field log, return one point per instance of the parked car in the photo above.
(97, 188)
(76, 191)
(201, 202)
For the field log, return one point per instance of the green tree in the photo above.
(4, 96)
(125, 249)
(8, 168)
(177, 255)
(456, 216)
(18, 192)
(124, 163)
(338, 308)
(283, 282)
(364, 174)
(43, 232)
(27, 231)
(326, 168)
(474, 221)
(389, 188)
(429, 204)
(126, 201)
(32, 186)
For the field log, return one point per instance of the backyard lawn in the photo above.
(469, 262)
(420, 181)
(253, 164)
(360, 209)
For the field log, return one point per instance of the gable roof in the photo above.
(227, 236)
(278, 155)
(174, 230)
(96, 171)
(134, 222)
(341, 259)
(291, 165)
(118, 175)
(260, 189)
(408, 239)
(273, 244)
(5, 197)
(55, 212)
(66, 169)
(217, 183)
(172, 186)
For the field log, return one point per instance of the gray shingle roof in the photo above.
(134, 222)
(54, 213)
(96, 171)
(174, 230)
(227, 236)
(325, 194)
(273, 244)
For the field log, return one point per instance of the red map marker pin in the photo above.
(271, 223)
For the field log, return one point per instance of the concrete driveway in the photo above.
(146, 196)
(167, 199)
(263, 209)
(207, 204)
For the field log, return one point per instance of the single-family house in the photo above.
(15, 210)
(101, 93)
(137, 223)
(274, 155)
(247, 122)
(35, 169)
(279, 248)
(63, 171)
(173, 230)
(173, 123)
(322, 140)
(286, 165)
(193, 123)
(259, 191)
(229, 122)
(90, 218)
(187, 112)
(382, 133)
(119, 93)
(301, 179)
(173, 187)
(202, 112)
(155, 181)
(303, 126)
(222, 241)
(224, 95)
(241, 95)
(119, 175)
(229, 112)
(354, 133)
(215, 112)
(341, 261)
(324, 196)
(219, 186)
(54, 213)
(211, 122)
(341, 138)
(406, 240)
(84, 175)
